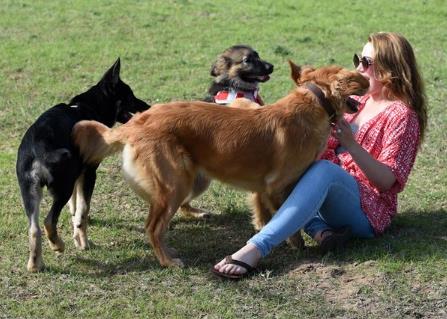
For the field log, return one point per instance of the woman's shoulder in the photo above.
(399, 105)
(400, 109)
(401, 117)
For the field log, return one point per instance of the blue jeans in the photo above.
(325, 197)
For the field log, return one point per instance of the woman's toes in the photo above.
(220, 264)
(232, 269)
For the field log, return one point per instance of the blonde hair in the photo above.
(395, 65)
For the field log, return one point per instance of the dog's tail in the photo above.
(96, 141)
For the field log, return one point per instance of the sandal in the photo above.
(229, 260)
(336, 240)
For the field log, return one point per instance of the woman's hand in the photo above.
(343, 132)
(378, 173)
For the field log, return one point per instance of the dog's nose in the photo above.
(269, 67)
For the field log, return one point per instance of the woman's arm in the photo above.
(379, 174)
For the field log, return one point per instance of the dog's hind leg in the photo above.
(83, 194)
(32, 196)
(54, 240)
(164, 204)
(188, 211)
(171, 185)
(156, 226)
(61, 193)
(72, 202)
(262, 210)
(163, 175)
(201, 184)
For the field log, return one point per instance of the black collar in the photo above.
(324, 102)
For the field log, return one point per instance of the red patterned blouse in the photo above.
(392, 137)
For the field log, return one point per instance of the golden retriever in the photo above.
(263, 150)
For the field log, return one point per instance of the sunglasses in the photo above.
(364, 60)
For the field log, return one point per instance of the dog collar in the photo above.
(225, 97)
(324, 102)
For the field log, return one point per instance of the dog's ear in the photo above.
(295, 72)
(113, 74)
(221, 65)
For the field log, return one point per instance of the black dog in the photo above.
(47, 157)
(238, 71)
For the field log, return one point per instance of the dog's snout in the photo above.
(268, 67)
(136, 105)
(364, 81)
(353, 105)
(141, 105)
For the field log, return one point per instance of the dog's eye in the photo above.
(245, 60)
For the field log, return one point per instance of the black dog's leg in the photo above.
(72, 202)
(61, 194)
(84, 191)
(56, 243)
(32, 196)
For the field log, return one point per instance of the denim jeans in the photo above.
(325, 197)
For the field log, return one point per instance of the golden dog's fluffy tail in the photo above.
(96, 141)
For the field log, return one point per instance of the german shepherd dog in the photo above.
(237, 73)
(48, 157)
(166, 147)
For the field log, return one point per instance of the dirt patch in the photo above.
(344, 285)
(363, 290)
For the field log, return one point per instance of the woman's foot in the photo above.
(240, 264)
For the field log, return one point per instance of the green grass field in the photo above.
(53, 50)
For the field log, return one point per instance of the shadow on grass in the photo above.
(116, 223)
(416, 235)
(93, 267)
(413, 236)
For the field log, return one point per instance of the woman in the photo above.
(353, 188)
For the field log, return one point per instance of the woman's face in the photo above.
(375, 86)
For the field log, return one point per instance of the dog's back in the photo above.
(47, 145)
(206, 133)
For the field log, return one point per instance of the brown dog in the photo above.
(166, 147)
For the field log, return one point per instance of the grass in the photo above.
(53, 50)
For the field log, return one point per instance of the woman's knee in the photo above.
(325, 169)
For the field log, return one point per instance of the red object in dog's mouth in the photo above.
(352, 104)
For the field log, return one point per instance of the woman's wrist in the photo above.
(352, 147)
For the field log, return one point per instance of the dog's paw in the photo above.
(194, 213)
(172, 262)
(57, 245)
(172, 251)
(202, 215)
(296, 241)
(177, 262)
(35, 264)
(81, 242)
